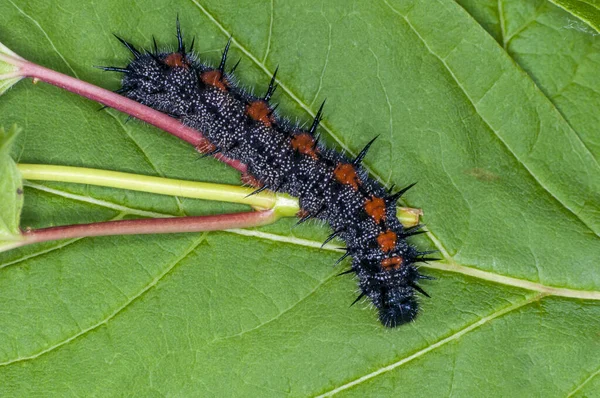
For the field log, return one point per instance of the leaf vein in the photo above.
(259, 326)
(104, 321)
(36, 23)
(473, 104)
(449, 266)
(432, 347)
(270, 35)
(583, 383)
(325, 63)
(148, 160)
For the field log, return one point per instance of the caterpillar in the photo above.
(284, 157)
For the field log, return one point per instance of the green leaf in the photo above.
(508, 179)
(9, 73)
(11, 188)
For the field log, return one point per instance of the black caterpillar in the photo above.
(284, 157)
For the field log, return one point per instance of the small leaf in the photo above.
(11, 188)
(9, 72)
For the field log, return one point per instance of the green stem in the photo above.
(284, 205)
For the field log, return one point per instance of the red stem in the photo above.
(123, 104)
(151, 226)
(160, 120)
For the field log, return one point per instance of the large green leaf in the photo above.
(508, 179)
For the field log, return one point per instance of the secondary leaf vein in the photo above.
(451, 73)
(104, 321)
(434, 346)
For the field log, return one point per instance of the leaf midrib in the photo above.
(449, 265)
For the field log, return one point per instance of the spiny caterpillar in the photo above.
(284, 157)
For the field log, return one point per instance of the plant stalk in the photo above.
(146, 226)
(286, 206)
(118, 102)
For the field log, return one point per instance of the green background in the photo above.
(492, 106)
